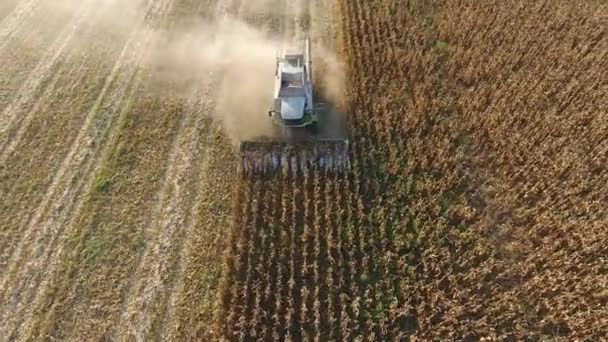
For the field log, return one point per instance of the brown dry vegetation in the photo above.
(476, 206)
(477, 202)
(500, 108)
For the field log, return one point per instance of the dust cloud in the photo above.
(237, 57)
(331, 76)
(240, 58)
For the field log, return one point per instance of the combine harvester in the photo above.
(308, 134)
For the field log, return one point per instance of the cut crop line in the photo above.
(168, 216)
(297, 10)
(42, 106)
(54, 249)
(286, 24)
(13, 23)
(57, 252)
(77, 159)
(158, 10)
(173, 211)
(222, 12)
(7, 247)
(66, 164)
(30, 89)
(138, 43)
(177, 286)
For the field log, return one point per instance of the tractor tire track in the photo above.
(41, 245)
(140, 42)
(151, 299)
(194, 302)
(17, 232)
(167, 329)
(69, 182)
(46, 142)
(204, 293)
(37, 209)
(24, 53)
(29, 92)
(13, 22)
(169, 217)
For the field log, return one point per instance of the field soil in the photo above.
(115, 178)
(476, 205)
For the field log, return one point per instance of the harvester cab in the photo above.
(307, 135)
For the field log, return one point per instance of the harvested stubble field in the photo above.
(476, 205)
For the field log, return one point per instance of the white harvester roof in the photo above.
(293, 87)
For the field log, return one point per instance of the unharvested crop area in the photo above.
(476, 205)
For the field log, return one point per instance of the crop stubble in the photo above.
(115, 182)
(474, 206)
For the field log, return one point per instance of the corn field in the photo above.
(475, 204)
